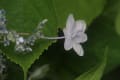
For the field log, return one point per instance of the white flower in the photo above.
(74, 35)
(20, 40)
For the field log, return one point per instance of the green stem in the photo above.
(44, 37)
(25, 75)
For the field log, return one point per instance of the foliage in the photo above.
(103, 20)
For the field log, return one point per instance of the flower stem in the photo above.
(44, 37)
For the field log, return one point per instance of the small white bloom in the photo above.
(20, 40)
(74, 35)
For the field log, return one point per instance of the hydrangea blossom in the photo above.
(74, 33)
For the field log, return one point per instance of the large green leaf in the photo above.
(24, 15)
(96, 72)
(80, 8)
(101, 33)
(114, 38)
(118, 23)
(111, 37)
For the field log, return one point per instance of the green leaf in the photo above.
(24, 15)
(96, 72)
(80, 8)
(106, 33)
(68, 66)
(118, 23)
(101, 33)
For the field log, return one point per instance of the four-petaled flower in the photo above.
(74, 35)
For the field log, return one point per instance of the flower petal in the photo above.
(80, 38)
(70, 22)
(69, 25)
(78, 49)
(67, 44)
(80, 25)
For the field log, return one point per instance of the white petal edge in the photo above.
(78, 49)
